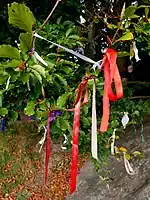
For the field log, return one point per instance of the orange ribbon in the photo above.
(111, 74)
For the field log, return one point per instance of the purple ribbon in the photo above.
(3, 125)
(54, 114)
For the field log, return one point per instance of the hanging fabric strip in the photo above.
(75, 135)
(105, 117)
(1, 99)
(127, 165)
(7, 83)
(3, 125)
(70, 51)
(136, 52)
(113, 137)
(76, 124)
(111, 73)
(28, 119)
(41, 142)
(47, 147)
(94, 124)
(74, 162)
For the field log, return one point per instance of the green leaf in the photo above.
(134, 16)
(29, 111)
(13, 63)
(127, 36)
(74, 37)
(61, 101)
(25, 76)
(85, 121)
(123, 54)
(40, 114)
(39, 69)
(136, 153)
(25, 41)
(37, 75)
(112, 26)
(13, 115)
(66, 69)
(85, 109)
(43, 105)
(3, 111)
(31, 103)
(63, 124)
(131, 51)
(20, 16)
(137, 113)
(14, 76)
(115, 123)
(61, 79)
(129, 11)
(127, 156)
(3, 78)
(68, 32)
(7, 51)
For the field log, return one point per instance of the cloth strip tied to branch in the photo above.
(76, 125)
(111, 74)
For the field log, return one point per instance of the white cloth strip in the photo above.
(136, 52)
(127, 165)
(94, 124)
(40, 59)
(41, 142)
(113, 142)
(65, 142)
(69, 51)
(7, 84)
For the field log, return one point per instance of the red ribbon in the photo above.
(111, 74)
(76, 124)
(47, 148)
(28, 119)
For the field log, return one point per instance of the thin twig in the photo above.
(44, 23)
(139, 97)
(121, 19)
(138, 82)
(50, 14)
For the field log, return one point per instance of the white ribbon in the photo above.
(94, 124)
(40, 59)
(70, 51)
(125, 120)
(65, 142)
(41, 142)
(127, 165)
(136, 52)
(28, 86)
(7, 84)
(113, 142)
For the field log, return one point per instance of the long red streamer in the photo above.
(111, 73)
(74, 163)
(47, 148)
(28, 119)
(76, 125)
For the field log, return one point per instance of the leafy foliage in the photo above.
(45, 77)
(21, 16)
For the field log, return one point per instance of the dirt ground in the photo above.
(22, 167)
